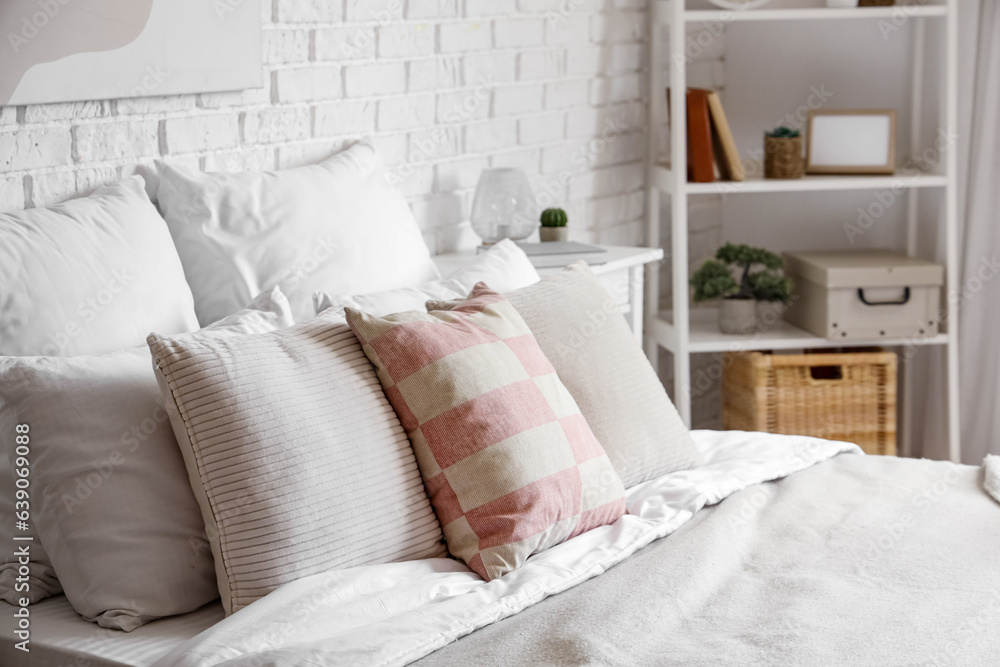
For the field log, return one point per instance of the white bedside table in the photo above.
(622, 275)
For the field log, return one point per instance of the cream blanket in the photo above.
(856, 561)
(991, 475)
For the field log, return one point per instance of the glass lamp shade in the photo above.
(504, 206)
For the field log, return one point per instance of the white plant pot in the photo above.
(738, 316)
(841, 3)
(553, 233)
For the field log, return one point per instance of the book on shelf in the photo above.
(562, 253)
(709, 139)
(699, 144)
(727, 157)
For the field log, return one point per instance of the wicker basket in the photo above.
(876, 3)
(783, 157)
(849, 396)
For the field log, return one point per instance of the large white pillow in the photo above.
(110, 496)
(336, 226)
(504, 267)
(90, 275)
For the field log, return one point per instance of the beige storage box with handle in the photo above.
(864, 294)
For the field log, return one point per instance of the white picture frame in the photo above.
(851, 141)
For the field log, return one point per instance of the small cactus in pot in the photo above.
(554, 225)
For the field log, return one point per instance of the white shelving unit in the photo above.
(685, 331)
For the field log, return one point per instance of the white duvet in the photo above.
(394, 614)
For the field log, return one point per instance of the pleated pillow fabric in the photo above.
(297, 460)
(508, 460)
(110, 496)
(581, 330)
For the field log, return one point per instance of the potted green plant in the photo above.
(773, 293)
(783, 153)
(716, 279)
(554, 225)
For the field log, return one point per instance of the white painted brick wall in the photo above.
(446, 88)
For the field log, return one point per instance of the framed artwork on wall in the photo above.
(851, 141)
(62, 51)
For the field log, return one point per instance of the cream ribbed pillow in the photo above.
(581, 330)
(297, 460)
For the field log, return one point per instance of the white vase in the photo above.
(738, 316)
(504, 206)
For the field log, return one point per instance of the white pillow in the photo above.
(90, 275)
(504, 267)
(110, 496)
(337, 225)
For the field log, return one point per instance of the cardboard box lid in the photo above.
(863, 268)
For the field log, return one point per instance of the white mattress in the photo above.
(59, 636)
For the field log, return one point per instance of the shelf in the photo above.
(809, 14)
(662, 177)
(706, 337)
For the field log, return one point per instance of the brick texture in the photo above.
(445, 87)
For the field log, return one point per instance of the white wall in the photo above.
(446, 88)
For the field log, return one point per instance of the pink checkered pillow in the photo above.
(510, 464)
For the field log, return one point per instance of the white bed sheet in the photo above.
(59, 636)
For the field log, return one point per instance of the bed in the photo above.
(326, 453)
(781, 549)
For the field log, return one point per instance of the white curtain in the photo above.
(979, 313)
